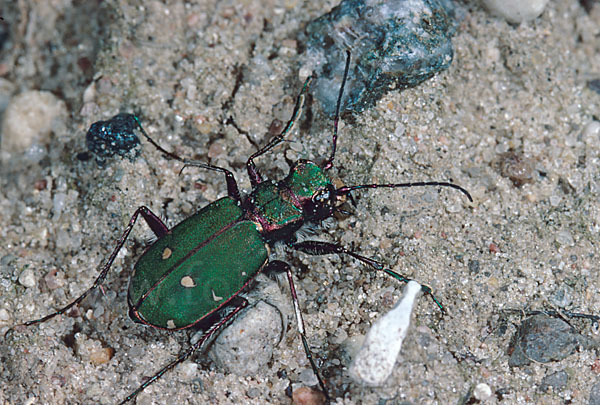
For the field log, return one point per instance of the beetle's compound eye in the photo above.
(322, 197)
(323, 203)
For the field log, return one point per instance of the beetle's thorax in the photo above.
(280, 209)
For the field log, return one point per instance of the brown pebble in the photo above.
(275, 127)
(102, 355)
(308, 396)
(493, 248)
(517, 167)
(40, 185)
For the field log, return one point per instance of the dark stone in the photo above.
(594, 85)
(543, 339)
(557, 381)
(588, 5)
(473, 266)
(114, 136)
(394, 43)
(595, 394)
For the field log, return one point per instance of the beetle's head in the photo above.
(314, 189)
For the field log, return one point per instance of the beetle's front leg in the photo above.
(313, 247)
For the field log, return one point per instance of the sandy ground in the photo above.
(208, 80)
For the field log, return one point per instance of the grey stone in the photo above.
(394, 44)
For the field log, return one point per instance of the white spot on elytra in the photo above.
(166, 253)
(171, 324)
(187, 282)
(215, 297)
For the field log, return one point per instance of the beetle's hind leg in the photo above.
(153, 221)
(313, 247)
(241, 303)
(277, 266)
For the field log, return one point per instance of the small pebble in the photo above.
(27, 278)
(54, 279)
(565, 238)
(253, 393)
(101, 355)
(215, 150)
(474, 266)
(517, 167)
(516, 11)
(595, 394)
(307, 377)
(308, 396)
(591, 132)
(29, 119)
(4, 315)
(594, 85)
(247, 344)
(563, 296)
(556, 381)
(482, 392)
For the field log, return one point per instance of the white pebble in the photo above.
(27, 278)
(565, 238)
(482, 392)
(376, 358)
(591, 132)
(58, 204)
(4, 315)
(188, 370)
(30, 118)
(516, 11)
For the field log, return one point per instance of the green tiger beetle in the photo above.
(193, 274)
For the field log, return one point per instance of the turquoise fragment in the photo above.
(394, 43)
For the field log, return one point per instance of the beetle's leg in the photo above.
(242, 303)
(157, 226)
(278, 266)
(313, 247)
(595, 319)
(182, 357)
(232, 187)
(255, 176)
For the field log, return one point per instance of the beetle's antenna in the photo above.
(347, 189)
(329, 164)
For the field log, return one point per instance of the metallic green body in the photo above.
(273, 205)
(306, 178)
(280, 209)
(197, 267)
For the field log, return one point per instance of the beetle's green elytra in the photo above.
(194, 273)
(212, 255)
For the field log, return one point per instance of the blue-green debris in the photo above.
(114, 136)
(394, 43)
